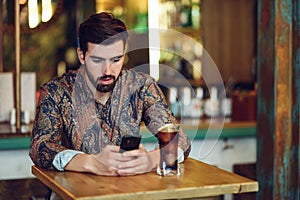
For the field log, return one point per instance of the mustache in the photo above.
(105, 77)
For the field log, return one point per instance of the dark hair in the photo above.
(101, 28)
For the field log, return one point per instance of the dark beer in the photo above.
(168, 144)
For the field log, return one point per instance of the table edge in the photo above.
(56, 187)
(246, 187)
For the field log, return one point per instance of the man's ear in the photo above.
(80, 55)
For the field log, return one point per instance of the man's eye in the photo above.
(97, 60)
(116, 60)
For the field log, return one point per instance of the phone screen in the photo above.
(129, 143)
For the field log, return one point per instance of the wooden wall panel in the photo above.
(229, 36)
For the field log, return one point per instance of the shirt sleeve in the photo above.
(63, 158)
(47, 131)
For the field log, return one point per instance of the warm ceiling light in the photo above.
(46, 10)
(33, 14)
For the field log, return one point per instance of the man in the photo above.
(82, 115)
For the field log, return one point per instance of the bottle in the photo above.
(211, 106)
(186, 14)
(197, 104)
(186, 102)
(195, 14)
(174, 104)
(226, 107)
(226, 104)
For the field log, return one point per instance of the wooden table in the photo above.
(196, 180)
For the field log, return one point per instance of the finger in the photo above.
(106, 170)
(136, 162)
(134, 153)
(122, 158)
(142, 147)
(131, 171)
(126, 173)
(112, 148)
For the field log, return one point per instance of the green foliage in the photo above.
(38, 50)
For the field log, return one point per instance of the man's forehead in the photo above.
(108, 50)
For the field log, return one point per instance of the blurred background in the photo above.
(226, 29)
(237, 36)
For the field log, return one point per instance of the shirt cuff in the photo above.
(63, 158)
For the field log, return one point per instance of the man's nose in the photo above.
(107, 68)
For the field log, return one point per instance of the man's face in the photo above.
(104, 64)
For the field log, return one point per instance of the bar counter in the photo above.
(198, 130)
(196, 180)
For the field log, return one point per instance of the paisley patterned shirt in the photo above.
(69, 119)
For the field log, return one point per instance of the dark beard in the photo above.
(100, 87)
(106, 88)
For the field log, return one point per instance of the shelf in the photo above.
(206, 130)
(181, 82)
(230, 130)
(7, 130)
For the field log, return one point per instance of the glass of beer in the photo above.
(168, 144)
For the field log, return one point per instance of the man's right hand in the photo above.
(104, 163)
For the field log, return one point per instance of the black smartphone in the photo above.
(129, 143)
